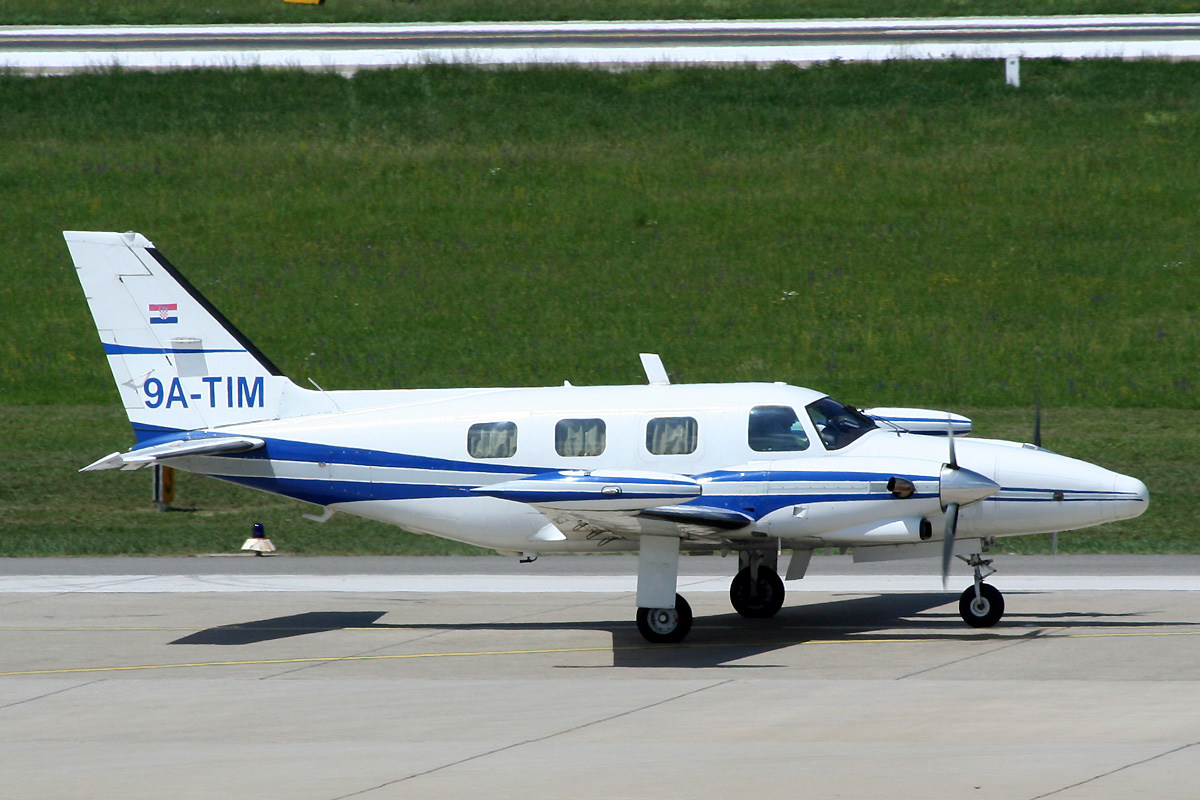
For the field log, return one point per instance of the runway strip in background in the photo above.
(350, 47)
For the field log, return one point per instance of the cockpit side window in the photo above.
(776, 429)
(838, 425)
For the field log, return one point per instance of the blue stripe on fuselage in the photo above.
(287, 450)
(807, 476)
(326, 492)
(132, 350)
(147, 434)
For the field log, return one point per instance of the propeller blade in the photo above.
(948, 542)
(950, 435)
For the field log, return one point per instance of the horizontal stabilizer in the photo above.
(136, 459)
(597, 490)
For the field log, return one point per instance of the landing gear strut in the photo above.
(981, 605)
(665, 625)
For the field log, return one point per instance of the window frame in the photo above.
(476, 434)
(561, 435)
(691, 435)
(841, 430)
(805, 442)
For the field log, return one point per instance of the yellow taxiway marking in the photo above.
(559, 650)
(307, 660)
(97, 629)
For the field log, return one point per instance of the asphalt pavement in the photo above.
(544, 694)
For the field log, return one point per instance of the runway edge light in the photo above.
(258, 541)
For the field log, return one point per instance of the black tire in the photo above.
(665, 625)
(984, 612)
(764, 603)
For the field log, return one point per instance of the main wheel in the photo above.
(665, 625)
(983, 611)
(757, 602)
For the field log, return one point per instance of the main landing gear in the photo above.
(981, 605)
(665, 625)
(756, 592)
(756, 597)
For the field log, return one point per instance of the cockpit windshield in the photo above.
(837, 424)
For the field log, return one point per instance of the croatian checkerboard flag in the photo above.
(163, 313)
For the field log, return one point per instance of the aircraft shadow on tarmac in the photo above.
(715, 640)
(266, 630)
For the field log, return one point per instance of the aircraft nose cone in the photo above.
(1134, 497)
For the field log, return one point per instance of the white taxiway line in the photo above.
(603, 584)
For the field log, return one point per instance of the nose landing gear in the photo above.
(981, 605)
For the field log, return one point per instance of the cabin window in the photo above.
(579, 437)
(492, 439)
(671, 436)
(838, 425)
(776, 429)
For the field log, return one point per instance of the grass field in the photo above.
(895, 234)
(160, 12)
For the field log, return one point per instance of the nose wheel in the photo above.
(981, 605)
(983, 610)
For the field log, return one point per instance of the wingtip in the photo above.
(110, 461)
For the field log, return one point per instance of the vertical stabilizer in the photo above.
(178, 363)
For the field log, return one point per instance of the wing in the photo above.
(619, 504)
(696, 522)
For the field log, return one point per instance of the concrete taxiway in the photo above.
(389, 688)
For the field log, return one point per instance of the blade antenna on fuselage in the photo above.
(1037, 416)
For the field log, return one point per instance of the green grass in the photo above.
(107, 12)
(903, 233)
(48, 508)
(1159, 446)
(895, 234)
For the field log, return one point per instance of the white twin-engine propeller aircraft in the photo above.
(747, 468)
